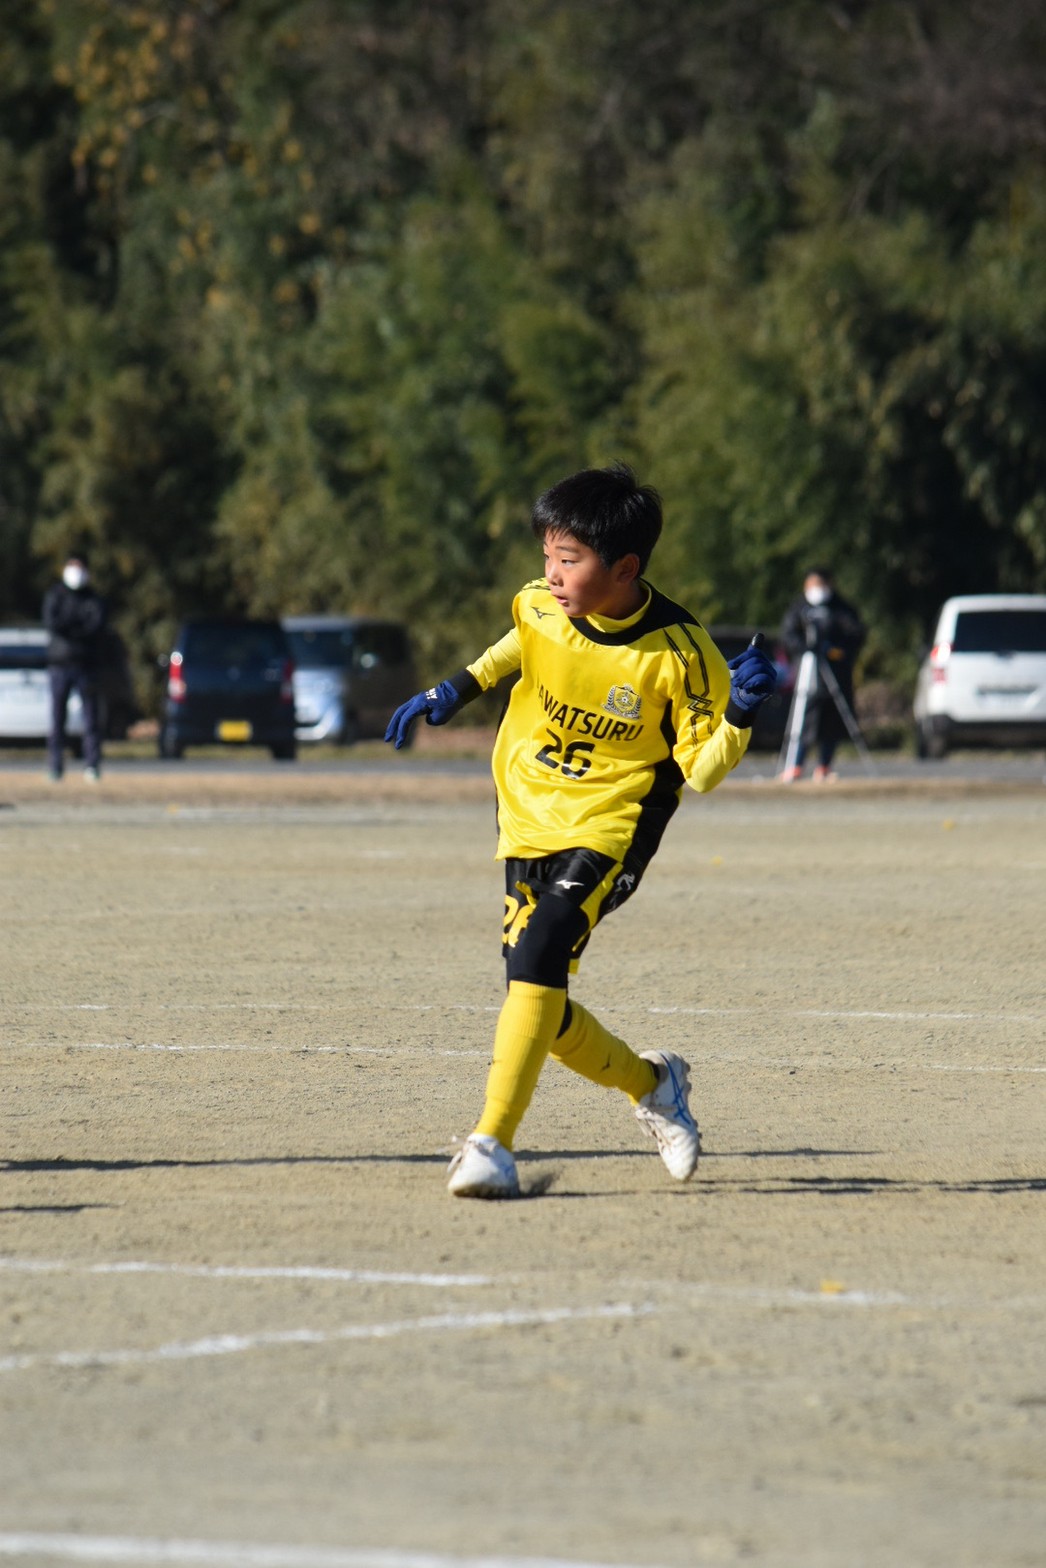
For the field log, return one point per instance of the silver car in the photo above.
(350, 672)
(984, 678)
(25, 688)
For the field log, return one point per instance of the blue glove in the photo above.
(753, 678)
(438, 704)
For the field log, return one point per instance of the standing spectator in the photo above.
(75, 615)
(821, 621)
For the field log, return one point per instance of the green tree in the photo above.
(302, 301)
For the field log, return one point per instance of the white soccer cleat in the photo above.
(483, 1168)
(665, 1114)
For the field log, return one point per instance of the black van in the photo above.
(229, 682)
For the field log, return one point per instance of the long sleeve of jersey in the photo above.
(500, 660)
(606, 723)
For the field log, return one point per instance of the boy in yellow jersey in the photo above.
(622, 697)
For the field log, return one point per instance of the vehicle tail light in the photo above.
(939, 656)
(176, 687)
(287, 682)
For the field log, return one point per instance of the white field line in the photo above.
(709, 1290)
(759, 1295)
(955, 1067)
(755, 1293)
(237, 1344)
(246, 1272)
(258, 1050)
(145, 1553)
(830, 1296)
(806, 1062)
(908, 1015)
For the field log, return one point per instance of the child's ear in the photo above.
(627, 569)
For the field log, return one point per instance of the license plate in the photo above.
(1007, 694)
(234, 729)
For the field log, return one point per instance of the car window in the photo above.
(1000, 631)
(245, 646)
(321, 648)
(23, 656)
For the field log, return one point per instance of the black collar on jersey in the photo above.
(660, 612)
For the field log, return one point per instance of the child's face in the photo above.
(582, 585)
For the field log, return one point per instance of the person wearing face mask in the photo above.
(823, 621)
(75, 615)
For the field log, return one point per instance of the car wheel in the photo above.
(286, 752)
(931, 741)
(119, 723)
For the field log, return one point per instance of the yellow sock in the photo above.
(527, 1024)
(589, 1049)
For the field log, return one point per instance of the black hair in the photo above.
(606, 509)
(824, 572)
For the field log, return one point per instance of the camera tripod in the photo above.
(812, 665)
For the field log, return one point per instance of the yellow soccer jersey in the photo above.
(606, 722)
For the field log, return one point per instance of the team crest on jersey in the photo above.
(623, 702)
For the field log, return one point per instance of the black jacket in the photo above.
(76, 618)
(834, 629)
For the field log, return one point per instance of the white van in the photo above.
(25, 689)
(984, 679)
(350, 673)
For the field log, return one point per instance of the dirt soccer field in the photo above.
(244, 1323)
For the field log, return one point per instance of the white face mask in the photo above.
(75, 575)
(817, 595)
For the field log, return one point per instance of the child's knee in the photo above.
(543, 952)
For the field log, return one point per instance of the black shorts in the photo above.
(552, 906)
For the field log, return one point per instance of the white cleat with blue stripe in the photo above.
(665, 1114)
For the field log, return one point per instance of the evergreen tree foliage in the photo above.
(303, 301)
